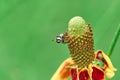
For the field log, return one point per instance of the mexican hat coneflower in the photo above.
(84, 63)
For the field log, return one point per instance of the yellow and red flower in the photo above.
(95, 71)
(84, 64)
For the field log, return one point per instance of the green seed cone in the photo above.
(81, 45)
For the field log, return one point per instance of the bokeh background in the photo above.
(28, 28)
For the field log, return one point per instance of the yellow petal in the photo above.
(63, 73)
(109, 73)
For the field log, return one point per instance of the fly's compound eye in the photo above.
(60, 38)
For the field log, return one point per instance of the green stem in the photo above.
(114, 41)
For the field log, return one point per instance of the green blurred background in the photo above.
(27, 28)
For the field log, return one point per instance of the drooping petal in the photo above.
(105, 59)
(97, 74)
(108, 67)
(84, 74)
(63, 72)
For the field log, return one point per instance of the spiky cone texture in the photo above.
(80, 42)
(87, 66)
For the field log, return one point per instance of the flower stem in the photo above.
(114, 41)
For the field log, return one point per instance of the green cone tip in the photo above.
(77, 26)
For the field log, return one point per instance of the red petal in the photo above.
(97, 74)
(84, 75)
(74, 74)
(101, 57)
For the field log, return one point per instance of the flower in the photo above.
(84, 63)
(94, 71)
